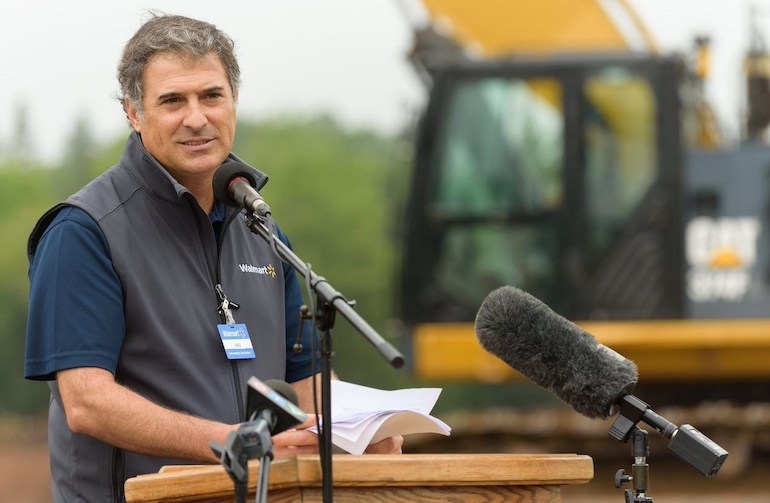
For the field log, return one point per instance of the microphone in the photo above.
(235, 184)
(559, 356)
(271, 408)
(275, 401)
(554, 353)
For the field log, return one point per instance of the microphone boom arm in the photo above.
(328, 294)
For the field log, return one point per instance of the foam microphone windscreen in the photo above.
(225, 174)
(553, 352)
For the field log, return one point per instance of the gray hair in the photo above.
(178, 35)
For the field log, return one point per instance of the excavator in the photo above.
(561, 152)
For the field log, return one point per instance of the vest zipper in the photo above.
(225, 312)
(118, 474)
(215, 274)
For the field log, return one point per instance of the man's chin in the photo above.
(204, 162)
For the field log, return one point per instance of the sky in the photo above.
(342, 57)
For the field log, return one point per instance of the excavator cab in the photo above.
(559, 176)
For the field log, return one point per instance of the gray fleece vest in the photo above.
(164, 250)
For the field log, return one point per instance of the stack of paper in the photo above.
(363, 415)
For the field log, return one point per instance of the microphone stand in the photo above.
(640, 470)
(251, 440)
(686, 443)
(330, 302)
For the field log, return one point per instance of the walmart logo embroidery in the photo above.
(267, 270)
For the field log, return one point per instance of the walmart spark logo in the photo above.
(265, 270)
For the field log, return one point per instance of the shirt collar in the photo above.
(218, 212)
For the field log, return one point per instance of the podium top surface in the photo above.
(186, 483)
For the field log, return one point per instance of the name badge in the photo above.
(236, 341)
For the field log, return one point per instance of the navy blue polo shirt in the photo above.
(76, 316)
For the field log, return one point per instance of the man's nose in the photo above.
(195, 116)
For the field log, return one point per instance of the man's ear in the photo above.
(133, 115)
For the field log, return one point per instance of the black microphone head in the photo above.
(553, 352)
(230, 170)
(284, 389)
(279, 398)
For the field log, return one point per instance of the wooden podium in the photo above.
(376, 478)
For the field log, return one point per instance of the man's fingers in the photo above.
(310, 422)
(295, 438)
(390, 445)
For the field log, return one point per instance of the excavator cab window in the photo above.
(621, 157)
(542, 175)
(498, 156)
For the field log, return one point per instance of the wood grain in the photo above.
(378, 478)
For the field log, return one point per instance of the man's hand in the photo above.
(302, 441)
(304, 389)
(296, 441)
(390, 445)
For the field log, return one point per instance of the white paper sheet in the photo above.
(362, 415)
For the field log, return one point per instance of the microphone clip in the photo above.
(304, 315)
(686, 443)
(252, 440)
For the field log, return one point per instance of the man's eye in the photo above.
(171, 101)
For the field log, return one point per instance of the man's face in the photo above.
(188, 121)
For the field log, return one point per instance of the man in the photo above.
(131, 277)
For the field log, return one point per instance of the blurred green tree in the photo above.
(25, 192)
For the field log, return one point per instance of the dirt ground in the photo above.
(24, 472)
(671, 483)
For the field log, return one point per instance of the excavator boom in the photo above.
(495, 28)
